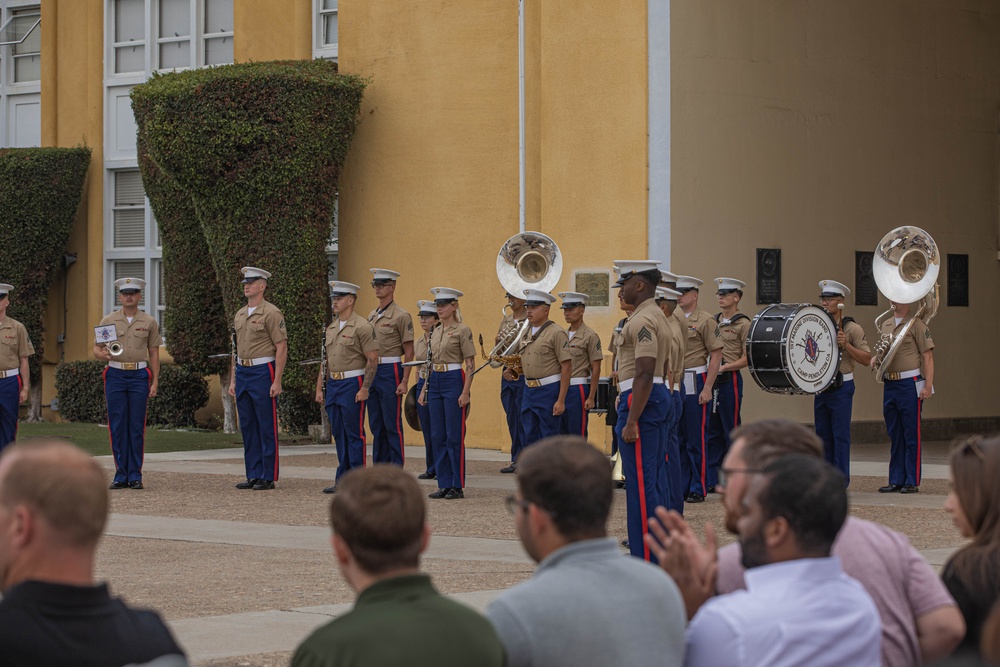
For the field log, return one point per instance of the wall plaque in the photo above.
(596, 286)
(768, 275)
(958, 280)
(865, 289)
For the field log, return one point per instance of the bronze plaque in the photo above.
(865, 289)
(768, 275)
(596, 286)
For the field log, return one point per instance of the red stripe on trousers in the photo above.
(149, 380)
(274, 416)
(20, 385)
(583, 413)
(461, 466)
(111, 439)
(399, 408)
(920, 409)
(361, 430)
(736, 402)
(642, 486)
(704, 417)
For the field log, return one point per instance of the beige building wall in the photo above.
(818, 127)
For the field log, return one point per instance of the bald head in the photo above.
(61, 484)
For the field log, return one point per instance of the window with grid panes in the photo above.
(129, 36)
(26, 56)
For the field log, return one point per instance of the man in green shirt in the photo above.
(379, 531)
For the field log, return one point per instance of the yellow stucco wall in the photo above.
(272, 30)
(818, 127)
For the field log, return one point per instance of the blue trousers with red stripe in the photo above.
(832, 414)
(574, 419)
(641, 465)
(347, 422)
(258, 414)
(10, 400)
(663, 481)
(424, 417)
(511, 395)
(385, 415)
(127, 393)
(694, 436)
(675, 478)
(536, 413)
(901, 408)
(447, 427)
(722, 420)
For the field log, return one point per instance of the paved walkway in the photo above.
(221, 637)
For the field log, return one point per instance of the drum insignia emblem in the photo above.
(811, 348)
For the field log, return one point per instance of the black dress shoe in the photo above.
(908, 488)
(440, 493)
(248, 484)
(118, 485)
(509, 469)
(263, 485)
(710, 489)
(137, 484)
(619, 483)
(454, 494)
(890, 488)
(330, 489)
(694, 498)
(625, 543)
(427, 475)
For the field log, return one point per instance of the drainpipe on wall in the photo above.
(520, 113)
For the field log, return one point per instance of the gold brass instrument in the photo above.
(905, 268)
(526, 260)
(115, 348)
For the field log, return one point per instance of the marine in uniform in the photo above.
(448, 391)
(546, 361)
(261, 353)
(702, 359)
(352, 359)
(832, 408)
(512, 389)
(130, 380)
(611, 418)
(427, 312)
(733, 329)
(666, 299)
(908, 382)
(394, 335)
(585, 358)
(643, 405)
(15, 348)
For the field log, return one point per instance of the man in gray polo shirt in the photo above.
(586, 604)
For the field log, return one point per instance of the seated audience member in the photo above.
(570, 612)
(799, 607)
(53, 507)
(973, 573)
(379, 531)
(920, 622)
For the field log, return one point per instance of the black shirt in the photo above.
(57, 624)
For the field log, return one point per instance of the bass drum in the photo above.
(792, 349)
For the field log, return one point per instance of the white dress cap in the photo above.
(668, 277)
(685, 283)
(383, 274)
(340, 288)
(667, 293)
(5, 288)
(536, 297)
(425, 307)
(253, 273)
(137, 284)
(446, 294)
(729, 284)
(833, 288)
(629, 267)
(573, 299)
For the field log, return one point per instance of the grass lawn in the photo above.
(94, 438)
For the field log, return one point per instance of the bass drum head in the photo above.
(813, 357)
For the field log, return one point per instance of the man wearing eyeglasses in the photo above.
(832, 408)
(394, 334)
(561, 510)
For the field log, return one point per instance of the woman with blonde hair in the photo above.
(973, 573)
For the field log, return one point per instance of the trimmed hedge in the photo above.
(80, 386)
(258, 147)
(40, 192)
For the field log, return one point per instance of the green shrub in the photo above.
(80, 387)
(40, 191)
(258, 148)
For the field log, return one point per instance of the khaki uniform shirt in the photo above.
(452, 344)
(392, 328)
(136, 337)
(703, 332)
(346, 347)
(542, 355)
(584, 348)
(734, 338)
(918, 340)
(683, 324)
(14, 344)
(675, 358)
(856, 337)
(420, 354)
(257, 334)
(644, 335)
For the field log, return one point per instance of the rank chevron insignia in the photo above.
(645, 335)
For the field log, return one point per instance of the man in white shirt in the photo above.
(799, 607)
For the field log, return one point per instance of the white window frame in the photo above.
(11, 92)
(320, 48)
